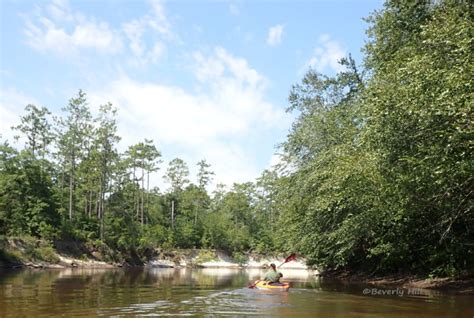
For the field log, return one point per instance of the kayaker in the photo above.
(272, 276)
(280, 275)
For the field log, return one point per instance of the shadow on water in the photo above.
(209, 292)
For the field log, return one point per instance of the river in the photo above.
(157, 292)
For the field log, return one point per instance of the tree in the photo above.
(325, 195)
(150, 164)
(230, 224)
(36, 128)
(377, 162)
(74, 131)
(204, 175)
(142, 157)
(104, 144)
(419, 103)
(27, 206)
(266, 188)
(177, 175)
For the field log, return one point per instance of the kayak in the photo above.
(272, 286)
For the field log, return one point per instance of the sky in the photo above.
(203, 79)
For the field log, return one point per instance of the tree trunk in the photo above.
(33, 146)
(42, 161)
(142, 196)
(102, 212)
(99, 201)
(195, 215)
(71, 186)
(89, 209)
(172, 214)
(62, 188)
(134, 188)
(147, 190)
(85, 204)
(71, 190)
(96, 209)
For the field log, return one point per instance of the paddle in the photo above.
(254, 284)
(290, 258)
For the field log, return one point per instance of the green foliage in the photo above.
(46, 253)
(240, 258)
(423, 141)
(177, 174)
(37, 130)
(215, 231)
(8, 257)
(185, 234)
(380, 167)
(29, 248)
(204, 175)
(26, 197)
(205, 256)
(154, 235)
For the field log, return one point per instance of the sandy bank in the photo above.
(219, 259)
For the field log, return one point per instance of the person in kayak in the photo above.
(272, 276)
(280, 275)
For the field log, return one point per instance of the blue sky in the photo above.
(203, 79)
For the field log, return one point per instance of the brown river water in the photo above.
(158, 292)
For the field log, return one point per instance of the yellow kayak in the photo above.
(272, 286)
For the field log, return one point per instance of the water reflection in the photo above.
(204, 292)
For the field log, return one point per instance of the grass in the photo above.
(19, 250)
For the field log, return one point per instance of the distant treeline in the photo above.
(376, 173)
(70, 183)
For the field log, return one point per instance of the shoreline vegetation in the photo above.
(31, 253)
(17, 254)
(375, 175)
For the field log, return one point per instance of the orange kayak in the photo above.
(272, 286)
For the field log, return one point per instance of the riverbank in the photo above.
(220, 259)
(462, 284)
(33, 253)
(30, 252)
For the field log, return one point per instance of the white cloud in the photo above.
(12, 105)
(159, 21)
(157, 52)
(49, 31)
(134, 31)
(214, 123)
(142, 54)
(56, 28)
(60, 10)
(234, 9)
(96, 35)
(274, 35)
(231, 162)
(157, 26)
(221, 67)
(327, 55)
